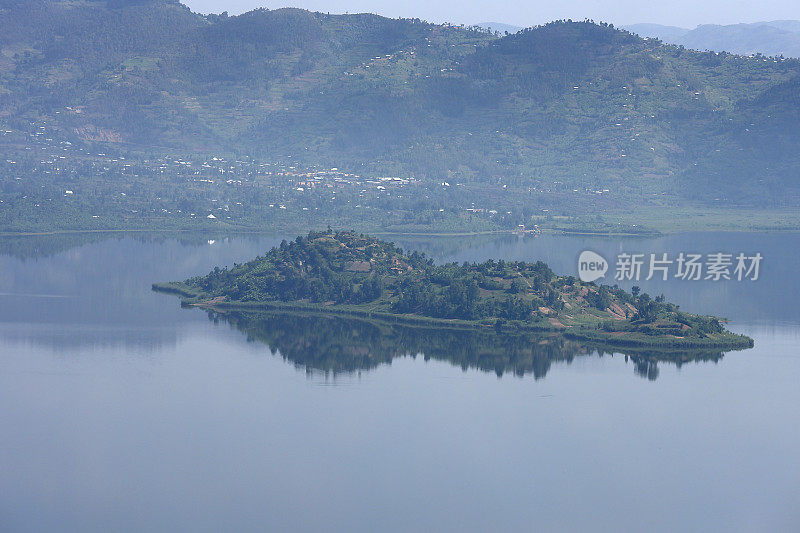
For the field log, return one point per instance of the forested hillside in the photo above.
(570, 108)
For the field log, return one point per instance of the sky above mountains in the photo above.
(685, 13)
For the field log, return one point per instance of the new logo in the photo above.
(591, 266)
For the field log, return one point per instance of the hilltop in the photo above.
(570, 118)
(346, 272)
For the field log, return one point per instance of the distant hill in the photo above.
(499, 27)
(668, 34)
(776, 38)
(569, 114)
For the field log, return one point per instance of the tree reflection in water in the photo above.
(333, 344)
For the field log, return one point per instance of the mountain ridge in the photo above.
(771, 38)
(568, 108)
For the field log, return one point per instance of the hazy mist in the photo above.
(686, 13)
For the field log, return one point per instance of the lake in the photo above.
(124, 412)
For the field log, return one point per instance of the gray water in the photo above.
(123, 412)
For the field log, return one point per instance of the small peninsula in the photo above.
(349, 273)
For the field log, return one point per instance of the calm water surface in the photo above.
(123, 412)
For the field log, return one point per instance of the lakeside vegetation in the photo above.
(349, 273)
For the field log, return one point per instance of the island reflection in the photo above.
(335, 345)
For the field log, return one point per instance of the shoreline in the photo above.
(273, 232)
(196, 299)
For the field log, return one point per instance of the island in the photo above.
(349, 273)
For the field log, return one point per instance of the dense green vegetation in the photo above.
(348, 272)
(569, 119)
